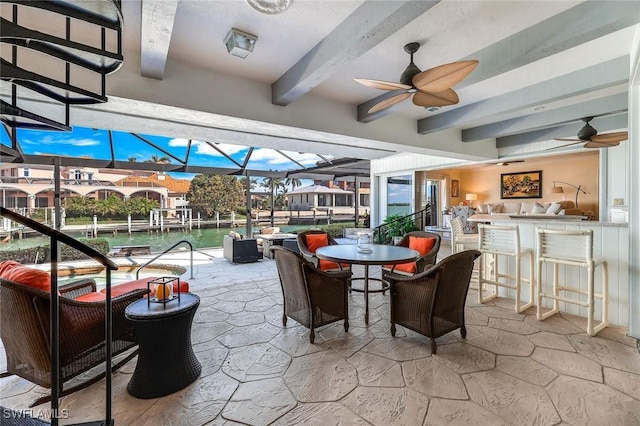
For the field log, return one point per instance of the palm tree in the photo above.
(293, 182)
(158, 160)
(132, 159)
(272, 183)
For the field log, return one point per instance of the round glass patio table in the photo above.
(379, 255)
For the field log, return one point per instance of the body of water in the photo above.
(199, 238)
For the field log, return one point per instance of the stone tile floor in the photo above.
(511, 369)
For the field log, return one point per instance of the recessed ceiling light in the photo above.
(539, 108)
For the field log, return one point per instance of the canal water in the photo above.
(199, 238)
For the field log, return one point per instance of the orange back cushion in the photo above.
(28, 276)
(315, 241)
(422, 245)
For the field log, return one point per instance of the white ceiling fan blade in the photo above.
(382, 85)
(443, 77)
(389, 102)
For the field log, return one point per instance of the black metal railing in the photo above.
(383, 234)
(55, 238)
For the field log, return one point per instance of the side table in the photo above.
(166, 362)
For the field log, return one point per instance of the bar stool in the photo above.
(496, 241)
(460, 240)
(572, 248)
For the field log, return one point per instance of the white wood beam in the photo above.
(155, 35)
(373, 22)
(601, 76)
(585, 22)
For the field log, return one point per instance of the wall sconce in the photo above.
(471, 198)
(239, 43)
(559, 190)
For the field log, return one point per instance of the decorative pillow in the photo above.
(554, 208)
(422, 245)
(539, 208)
(483, 208)
(315, 241)
(29, 276)
(495, 208)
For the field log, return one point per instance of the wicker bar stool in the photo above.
(571, 248)
(498, 241)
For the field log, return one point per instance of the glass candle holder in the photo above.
(164, 291)
(365, 240)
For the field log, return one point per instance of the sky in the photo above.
(94, 143)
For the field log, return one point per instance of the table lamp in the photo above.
(471, 198)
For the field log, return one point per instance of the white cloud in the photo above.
(204, 148)
(53, 140)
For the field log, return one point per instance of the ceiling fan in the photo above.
(504, 163)
(430, 88)
(594, 140)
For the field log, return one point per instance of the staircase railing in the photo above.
(55, 238)
(383, 234)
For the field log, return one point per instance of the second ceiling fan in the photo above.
(591, 139)
(430, 88)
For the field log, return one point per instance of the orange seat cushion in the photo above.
(422, 245)
(409, 268)
(92, 297)
(123, 288)
(327, 265)
(7, 265)
(27, 276)
(315, 241)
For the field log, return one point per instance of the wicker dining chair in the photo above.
(432, 303)
(312, 297)
(309, 241)
(416, 240)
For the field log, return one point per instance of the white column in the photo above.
(634, 189)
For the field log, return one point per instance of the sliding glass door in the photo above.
(399, 191)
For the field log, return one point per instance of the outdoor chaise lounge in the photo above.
(25, 322)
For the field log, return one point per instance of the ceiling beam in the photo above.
(583, 23)
(554, 117)
(155, 35)
(370, 24)
(602, 124)
(587, 80)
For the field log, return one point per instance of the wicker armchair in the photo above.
(24, 329)
(311, 297)
(307, 249)
(432, 303)
(425, 260)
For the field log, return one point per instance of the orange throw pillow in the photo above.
(422, 245)
(29, 276)
(315, 241)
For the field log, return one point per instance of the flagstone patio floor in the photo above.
(510, 370)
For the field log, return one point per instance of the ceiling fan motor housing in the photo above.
(587, 132)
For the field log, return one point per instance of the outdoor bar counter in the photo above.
(610, 241)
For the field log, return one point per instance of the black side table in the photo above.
(166, 362)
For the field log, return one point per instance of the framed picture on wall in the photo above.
(521, 185)
(455, 188)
